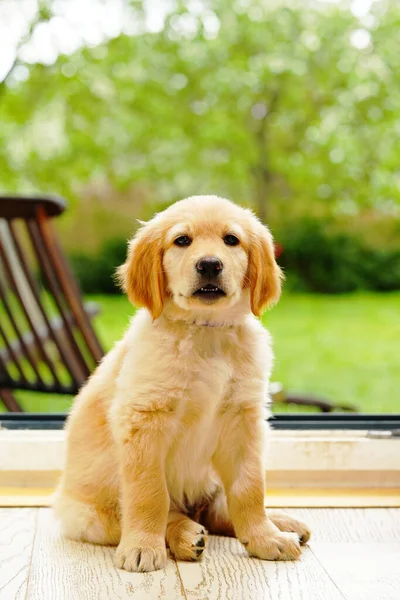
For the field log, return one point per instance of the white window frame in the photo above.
(304, 468)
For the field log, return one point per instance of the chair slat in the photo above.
(39, 342)
(51, 329)
(12, 355)
(68, 285)
(26, 350)
(9, 401)
(78, 367)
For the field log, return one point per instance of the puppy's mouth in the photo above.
(209, 292)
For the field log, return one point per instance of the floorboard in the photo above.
(17, 532)
(66, 570)
(227, 573)
(351, 525)
(354, 554)
(362, 571)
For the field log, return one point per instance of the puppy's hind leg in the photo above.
(185, 538)
(217, 521)
(84, 522)
(286, 523)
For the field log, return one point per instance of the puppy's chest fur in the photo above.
(209, 364)
(210, 361)
(198, 378)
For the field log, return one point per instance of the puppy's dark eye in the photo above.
(183, 240)
(231, 240)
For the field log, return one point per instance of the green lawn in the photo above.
(345, 348)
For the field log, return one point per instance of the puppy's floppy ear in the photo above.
(142, 276)
(264, 277)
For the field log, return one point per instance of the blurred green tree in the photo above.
(288, 108)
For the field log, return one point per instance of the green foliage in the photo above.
(267, 103)
(320, 260)
(96, 273)
(382, 269)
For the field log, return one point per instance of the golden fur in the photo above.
(166, 440)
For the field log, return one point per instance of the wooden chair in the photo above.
(47, 342)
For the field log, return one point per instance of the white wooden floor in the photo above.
(354, 554)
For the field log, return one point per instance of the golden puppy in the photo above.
(165, 441)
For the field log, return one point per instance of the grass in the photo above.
(345, 348)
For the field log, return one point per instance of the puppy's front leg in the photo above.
(239, 464)
(144, 494)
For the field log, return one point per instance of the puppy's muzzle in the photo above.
(209, 268)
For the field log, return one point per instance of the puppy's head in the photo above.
(203, 253)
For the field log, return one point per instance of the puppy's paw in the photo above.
(187, 540)
(286, 523)
(274, 546)
(140, 558)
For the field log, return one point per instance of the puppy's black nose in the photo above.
(209, 266)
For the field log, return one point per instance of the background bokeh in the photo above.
(292, 108)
